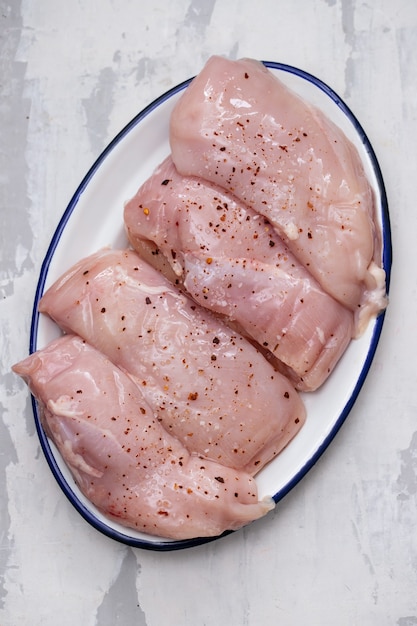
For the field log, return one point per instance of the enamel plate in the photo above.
(94, 218)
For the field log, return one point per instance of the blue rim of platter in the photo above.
(386, 262)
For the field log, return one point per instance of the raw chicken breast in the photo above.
(237, 125)
(121, 457)
(231, 261)
(209, 386)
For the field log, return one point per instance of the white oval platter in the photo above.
(94, 219)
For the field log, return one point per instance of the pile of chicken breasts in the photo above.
(254, 260)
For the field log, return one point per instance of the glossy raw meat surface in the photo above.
(237, 125)
(208, 385)
(121, 457)
(231, 260)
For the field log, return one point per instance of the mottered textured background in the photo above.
(341, 548)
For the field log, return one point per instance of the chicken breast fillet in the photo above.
(121, 457)
(239, 126)
(231, 260)
(209, 386)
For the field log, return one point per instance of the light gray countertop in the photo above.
(341, 548)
